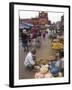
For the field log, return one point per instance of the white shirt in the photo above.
(29, 60)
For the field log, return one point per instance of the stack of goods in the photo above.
(57, 45)
(43, 72)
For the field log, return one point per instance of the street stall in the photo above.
(52, 66)
(43, 73)
(57, 45)
(49, 68)
(26, 26)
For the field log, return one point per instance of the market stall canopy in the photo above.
(25, 26)
(29, 24)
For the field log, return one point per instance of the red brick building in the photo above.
(42, 19)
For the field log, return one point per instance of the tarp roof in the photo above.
(25, 26)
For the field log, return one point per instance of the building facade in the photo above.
(42, 19)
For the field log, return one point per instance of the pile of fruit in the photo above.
(43, 73)
(57, 45)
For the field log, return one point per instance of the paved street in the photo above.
(42, 53)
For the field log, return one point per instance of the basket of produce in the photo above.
(42, 61)
(43, 73)
(50, 58)
(43, 69)
(57, 46)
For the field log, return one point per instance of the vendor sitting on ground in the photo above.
(57, 66)
(60, 64)
(30, 59)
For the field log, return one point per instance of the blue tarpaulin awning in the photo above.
(25, 26)
(28, 24)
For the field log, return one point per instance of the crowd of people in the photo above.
(31, 41)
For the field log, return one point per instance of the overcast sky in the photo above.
(53, 16)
